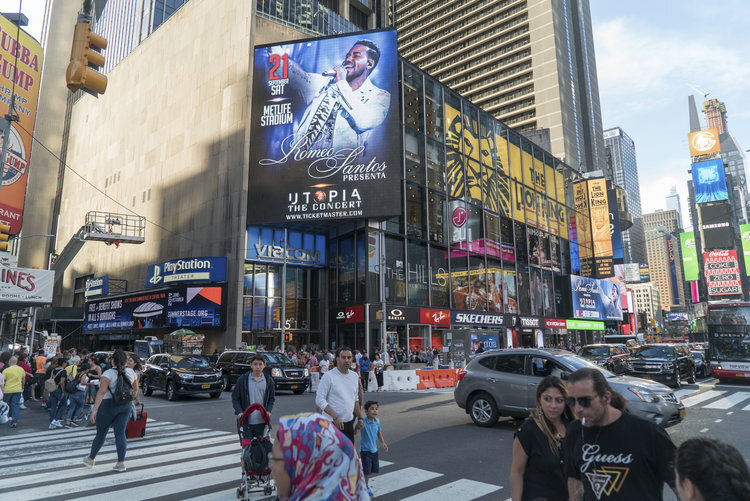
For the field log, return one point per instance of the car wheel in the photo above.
(147, 390)
(691, 379)
(171, 391)
(483, 410)
(215, 394)
(227, 383)
(677, 379)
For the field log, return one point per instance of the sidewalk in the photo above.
(33, 418)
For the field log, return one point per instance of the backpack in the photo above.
(71, 383)
(50, 384)
(123, 392)
(255, 456)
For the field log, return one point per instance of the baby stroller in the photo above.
(256, 472)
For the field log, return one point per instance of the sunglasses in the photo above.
(584, 402)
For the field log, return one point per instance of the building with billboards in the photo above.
(367, 205)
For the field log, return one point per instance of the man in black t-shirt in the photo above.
(611, 454)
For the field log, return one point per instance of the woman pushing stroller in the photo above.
(254, 387)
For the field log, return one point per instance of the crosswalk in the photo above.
(173, 461)
(714, 399)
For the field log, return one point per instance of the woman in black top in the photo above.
(537, 469)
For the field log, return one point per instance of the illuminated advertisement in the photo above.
(595, 299)
(326, 139)
(28, 71)
(600, 227)
(708, 181)
(716, 226)
(583, 229)
(704, 142)
(645, 272)
(745, 237)
(614, 227)
(722, 273)
(673, 270)
(193, 307)
(690, 255)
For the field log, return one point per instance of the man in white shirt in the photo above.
(338, 394)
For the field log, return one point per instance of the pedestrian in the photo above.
(134, 362)
(93, 375)
(338, 394)
(611, 454)
(40, 365)
(254, 387)
(365, 365)
(537, 471)
(368, 443)
(15, 380)
(323, 366)
(377, 366)
(707, 469)
(4, 408)
(480, 349)
(55, 386)
(107, 414)
(76, 391)
(23, 364)
(312, 460)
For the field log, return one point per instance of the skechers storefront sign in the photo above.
(266, 245)
(492, 319)
(195, 269)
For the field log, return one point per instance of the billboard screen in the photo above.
(645, 272)
(26, 89)
(326, 139)
(722, 273)
(745, 237)
(689, 256)
(614, 226)
(716, 226)
(595, 299)
(709, 182)
(704, 142)
(600, 230)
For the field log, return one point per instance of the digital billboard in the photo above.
(709, 182)
(689, 256)
(600, 230)
(325, 132)
(716, 227)
(179, 306)
(704, 142)
(645, 272)
(745, 238)
(722, 273)
(27, 54)
(595, 299)
(614, 226)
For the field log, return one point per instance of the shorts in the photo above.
(370, 462)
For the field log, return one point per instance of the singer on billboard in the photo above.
(343, 103)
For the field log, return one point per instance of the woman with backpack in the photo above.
(55, 387)
(118, 387)
(76, 390)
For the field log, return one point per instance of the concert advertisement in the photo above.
(325, 133)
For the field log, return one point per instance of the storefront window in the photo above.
(495, 286)
(274, 280)
(509, 289)
(361, 267)
(247, 313)
(549, 295)
(478, 297)
(415, 156)
(259, 313)
(346, 270)
(537, 292)
(415, 211)
(435, 165)
(434, 109)
(439, 279)
(459, 278)
(374, 255)
(413, 101)
(247, 288)
(523, 289)
(395, 272)
(521, 249)
(437, 212)
(506, 239)
(417, 274)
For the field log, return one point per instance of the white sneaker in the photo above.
(22, 406)
(52, 426)
(57, 424)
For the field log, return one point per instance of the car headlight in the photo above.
(644, 395)
(306, 372)
(276, 373)
(186, 377)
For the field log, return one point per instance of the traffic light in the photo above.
(4, 236)
(277, 315)
(85, 61)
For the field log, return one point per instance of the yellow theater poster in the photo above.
(583, 229)
(503, 182)
(21, 70)
(600, 231)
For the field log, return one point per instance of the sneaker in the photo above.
(73, 423)
(12, 425)
(52, 426)
(88, 462)
(66, 425)
(57, 423)
(22, 407)
(369, 493)
(119, 467)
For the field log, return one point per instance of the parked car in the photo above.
(667, 363)
(613, 357)
(702, 367)
(286, 375)
(180, 374)
(503, 382)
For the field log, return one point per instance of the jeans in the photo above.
(27, 390)
(365, 376)
(39, 384)
(116, 416)
(56, 405)
(14, 402)
(92, 391)
(76, 404)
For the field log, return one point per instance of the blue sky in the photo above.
(648, 52)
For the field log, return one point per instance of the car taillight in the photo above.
(460, 375)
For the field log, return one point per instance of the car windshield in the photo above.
(697, 355)
(276, 358)
(594, 351)
(190, 362)
(575, 362)
(654, 352)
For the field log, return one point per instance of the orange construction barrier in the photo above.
(445, 378)
(426, 380)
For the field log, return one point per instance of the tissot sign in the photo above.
(194, 269)
(326, 139)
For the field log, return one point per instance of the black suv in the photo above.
(666, 363)
(613, 357)
(285, 374)
(180, 374)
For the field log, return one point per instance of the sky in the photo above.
(649, 54)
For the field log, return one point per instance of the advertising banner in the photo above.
(601, 235)
(50, 347)
(26, 285)
(645, 272)
(715, 219)
(326, 138)
(180, 306)
(585, 325)
(745, 237)
(97, 286)
(673, 270)
(709, 181)
(583, 229)
(488, 340)
(690, 255)
(722, 273)
(471, 318)
(614, 226)
(435, 317)
(28, 72)
(704, 142)
(595, 299)
(194, 269)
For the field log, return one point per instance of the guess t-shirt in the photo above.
(628, 459)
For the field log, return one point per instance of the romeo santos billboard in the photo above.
(325, 134)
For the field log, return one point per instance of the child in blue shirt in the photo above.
(368, 444)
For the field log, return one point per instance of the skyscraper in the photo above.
(673, 203)
(621, 155)
(662, 229)
(528, 63)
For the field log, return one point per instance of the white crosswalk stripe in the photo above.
(729, 401)
(701, 397)
(180, 461)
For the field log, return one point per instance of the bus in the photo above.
(728, 325)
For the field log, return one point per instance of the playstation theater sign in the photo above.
(186, 270)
